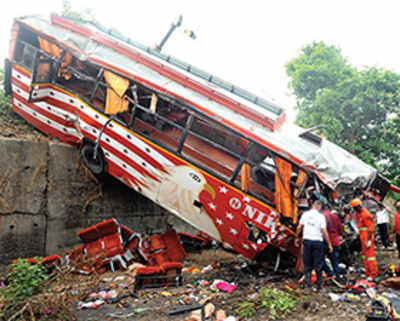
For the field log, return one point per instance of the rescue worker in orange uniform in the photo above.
(365, 224)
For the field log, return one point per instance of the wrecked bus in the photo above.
(220, 158)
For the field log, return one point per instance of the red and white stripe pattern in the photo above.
(68, 118)
(137, 162)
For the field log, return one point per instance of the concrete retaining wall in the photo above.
(47, 196)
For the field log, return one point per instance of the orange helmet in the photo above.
(355, 202)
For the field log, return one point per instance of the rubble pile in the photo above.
(160, 277)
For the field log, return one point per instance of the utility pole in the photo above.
(174, 25)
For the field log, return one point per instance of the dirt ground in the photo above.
(311, 305)
(154, 303)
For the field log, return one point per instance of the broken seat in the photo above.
(162, 248)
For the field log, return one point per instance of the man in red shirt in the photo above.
(334, 228)
(397, 226)
(366, 227)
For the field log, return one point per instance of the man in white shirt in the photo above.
(382, 220)
(313, 226)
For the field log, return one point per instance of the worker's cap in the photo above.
(355, 202)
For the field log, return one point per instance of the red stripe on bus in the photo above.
(124, 141)
(46, 128)
(125, 159)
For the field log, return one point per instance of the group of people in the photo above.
(320, 230)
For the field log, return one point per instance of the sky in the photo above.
(248, 42)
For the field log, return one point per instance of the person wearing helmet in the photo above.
(365, 224)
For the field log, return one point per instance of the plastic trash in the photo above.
(349, 297)
(226, 287)
(334, 297)
(329, 264)
(90, 305)
(371, 292)
(208, 268)
(220, 315)
(140, 310)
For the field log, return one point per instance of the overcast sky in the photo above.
(245, 42)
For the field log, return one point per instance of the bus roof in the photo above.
(250, 115)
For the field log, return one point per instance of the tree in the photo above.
(86, 14)
(358, 109)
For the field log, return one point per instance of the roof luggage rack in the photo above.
(271, 115)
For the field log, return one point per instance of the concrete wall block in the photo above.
(22, 235)
(63, 162)
(23, 171)
(60, 197)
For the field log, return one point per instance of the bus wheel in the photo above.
(97, 166)
(7, 77)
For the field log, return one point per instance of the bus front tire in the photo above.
(96, 166)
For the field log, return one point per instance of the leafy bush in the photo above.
(246, 309)
(24, 280)
(5, 103)
(8, 118)
(278, 303)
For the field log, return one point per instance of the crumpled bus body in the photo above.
(217, 156)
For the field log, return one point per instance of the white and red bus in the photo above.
(222, 159)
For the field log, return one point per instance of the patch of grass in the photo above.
(246, 309)
(8, 118)
(24, 280)
(278, 304)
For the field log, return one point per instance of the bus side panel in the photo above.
(51, 119)
(205, 202)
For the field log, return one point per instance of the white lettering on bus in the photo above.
(249, 211)
(235, 203)
(260, 217)
(254, 213)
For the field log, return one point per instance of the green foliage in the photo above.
(7, 116)
(246, 309)
(87, 14)
(358, 109)
(24, 280)
(278, 303)
(4, 100)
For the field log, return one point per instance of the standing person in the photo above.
(397, 226)
(335, 229)
(370, 202)
(365, 224)
(313, 226)
(382, 221)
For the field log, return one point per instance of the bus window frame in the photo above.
(185, 130)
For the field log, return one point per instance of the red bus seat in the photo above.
(174, 247)
(147, 275)
(172, 268)
(125, 233)
(111, 236)
(163, 248)
(131, 248)
(93, 245)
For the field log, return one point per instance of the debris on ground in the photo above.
(119, 274)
